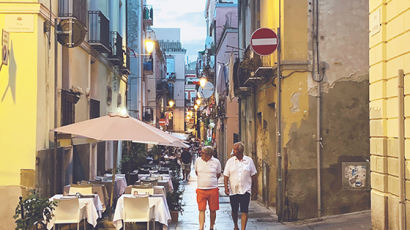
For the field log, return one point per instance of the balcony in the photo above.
(148, 16)
(116, 57)
(148, 66)
(125, 69)
(99, 31)
(73, 9)
(148, 114)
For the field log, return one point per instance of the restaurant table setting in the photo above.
(158, 201)
(90, 204)
(99, 189)
(119, 185)
(161, 180)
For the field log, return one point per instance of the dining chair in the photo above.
(148, 191)
(67, 211)
(137, 209)
(82, 189)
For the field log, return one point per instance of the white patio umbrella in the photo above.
(115, 127)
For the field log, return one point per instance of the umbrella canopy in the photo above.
(121, 128)
(115, 127)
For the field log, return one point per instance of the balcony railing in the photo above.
(116, 56)
(148, 16)
(99, 31)
(73, 8)
(148, 66)
(125, 69)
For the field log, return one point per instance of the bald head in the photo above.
(239, 147)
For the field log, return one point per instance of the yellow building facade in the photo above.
(324, 101)
(389, 61)
(31, 88)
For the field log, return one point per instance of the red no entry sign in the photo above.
(264, 41)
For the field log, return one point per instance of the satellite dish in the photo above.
(71, 32)
(207, 91)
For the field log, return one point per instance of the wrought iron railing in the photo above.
(99, 31)
(126, 65)
(116, 56)
(148, 15)
(73, 8)
(148, 65)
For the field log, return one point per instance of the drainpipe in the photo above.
(402, 176)
(55, 95)
(318, 148)
(318, 77)
(279, 132)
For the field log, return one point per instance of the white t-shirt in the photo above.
(240, 174)
(207, 172)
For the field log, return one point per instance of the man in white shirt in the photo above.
(240, 172)
(208, 170)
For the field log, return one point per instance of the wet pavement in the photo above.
(260, 218)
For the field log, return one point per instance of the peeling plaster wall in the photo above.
(343, 45)
(345, 132)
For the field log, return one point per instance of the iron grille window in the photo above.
(68, 101)
(94, 108)
(73, 8)
(99, 31)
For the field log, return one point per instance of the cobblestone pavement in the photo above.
(260, 218)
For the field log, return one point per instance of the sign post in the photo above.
(264, 41)
(4, 48)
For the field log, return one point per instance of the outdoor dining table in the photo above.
(158, 201)
(119, 185)
(96, 189)
(166, 181)
(92, 208)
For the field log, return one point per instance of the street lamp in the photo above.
(149, 45)
(203, 81)
(196, 107)
(171, 103)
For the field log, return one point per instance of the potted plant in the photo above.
(174, 199)
(33, 212)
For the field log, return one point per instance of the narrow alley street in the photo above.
(105, 104)
(260, 218)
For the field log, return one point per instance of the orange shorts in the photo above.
(210, 195)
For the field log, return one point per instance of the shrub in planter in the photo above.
(33, 212)
(174, 199)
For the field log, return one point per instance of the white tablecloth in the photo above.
(161, 211)
(119, 185)
(93, 209)
(166, 182)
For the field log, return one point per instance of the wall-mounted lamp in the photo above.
(149, 45)
(171, 103)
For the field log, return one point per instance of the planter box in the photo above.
(174, 216)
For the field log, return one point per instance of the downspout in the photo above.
(402, 176)
(55, 95)
(318, 77)
(279, 132)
